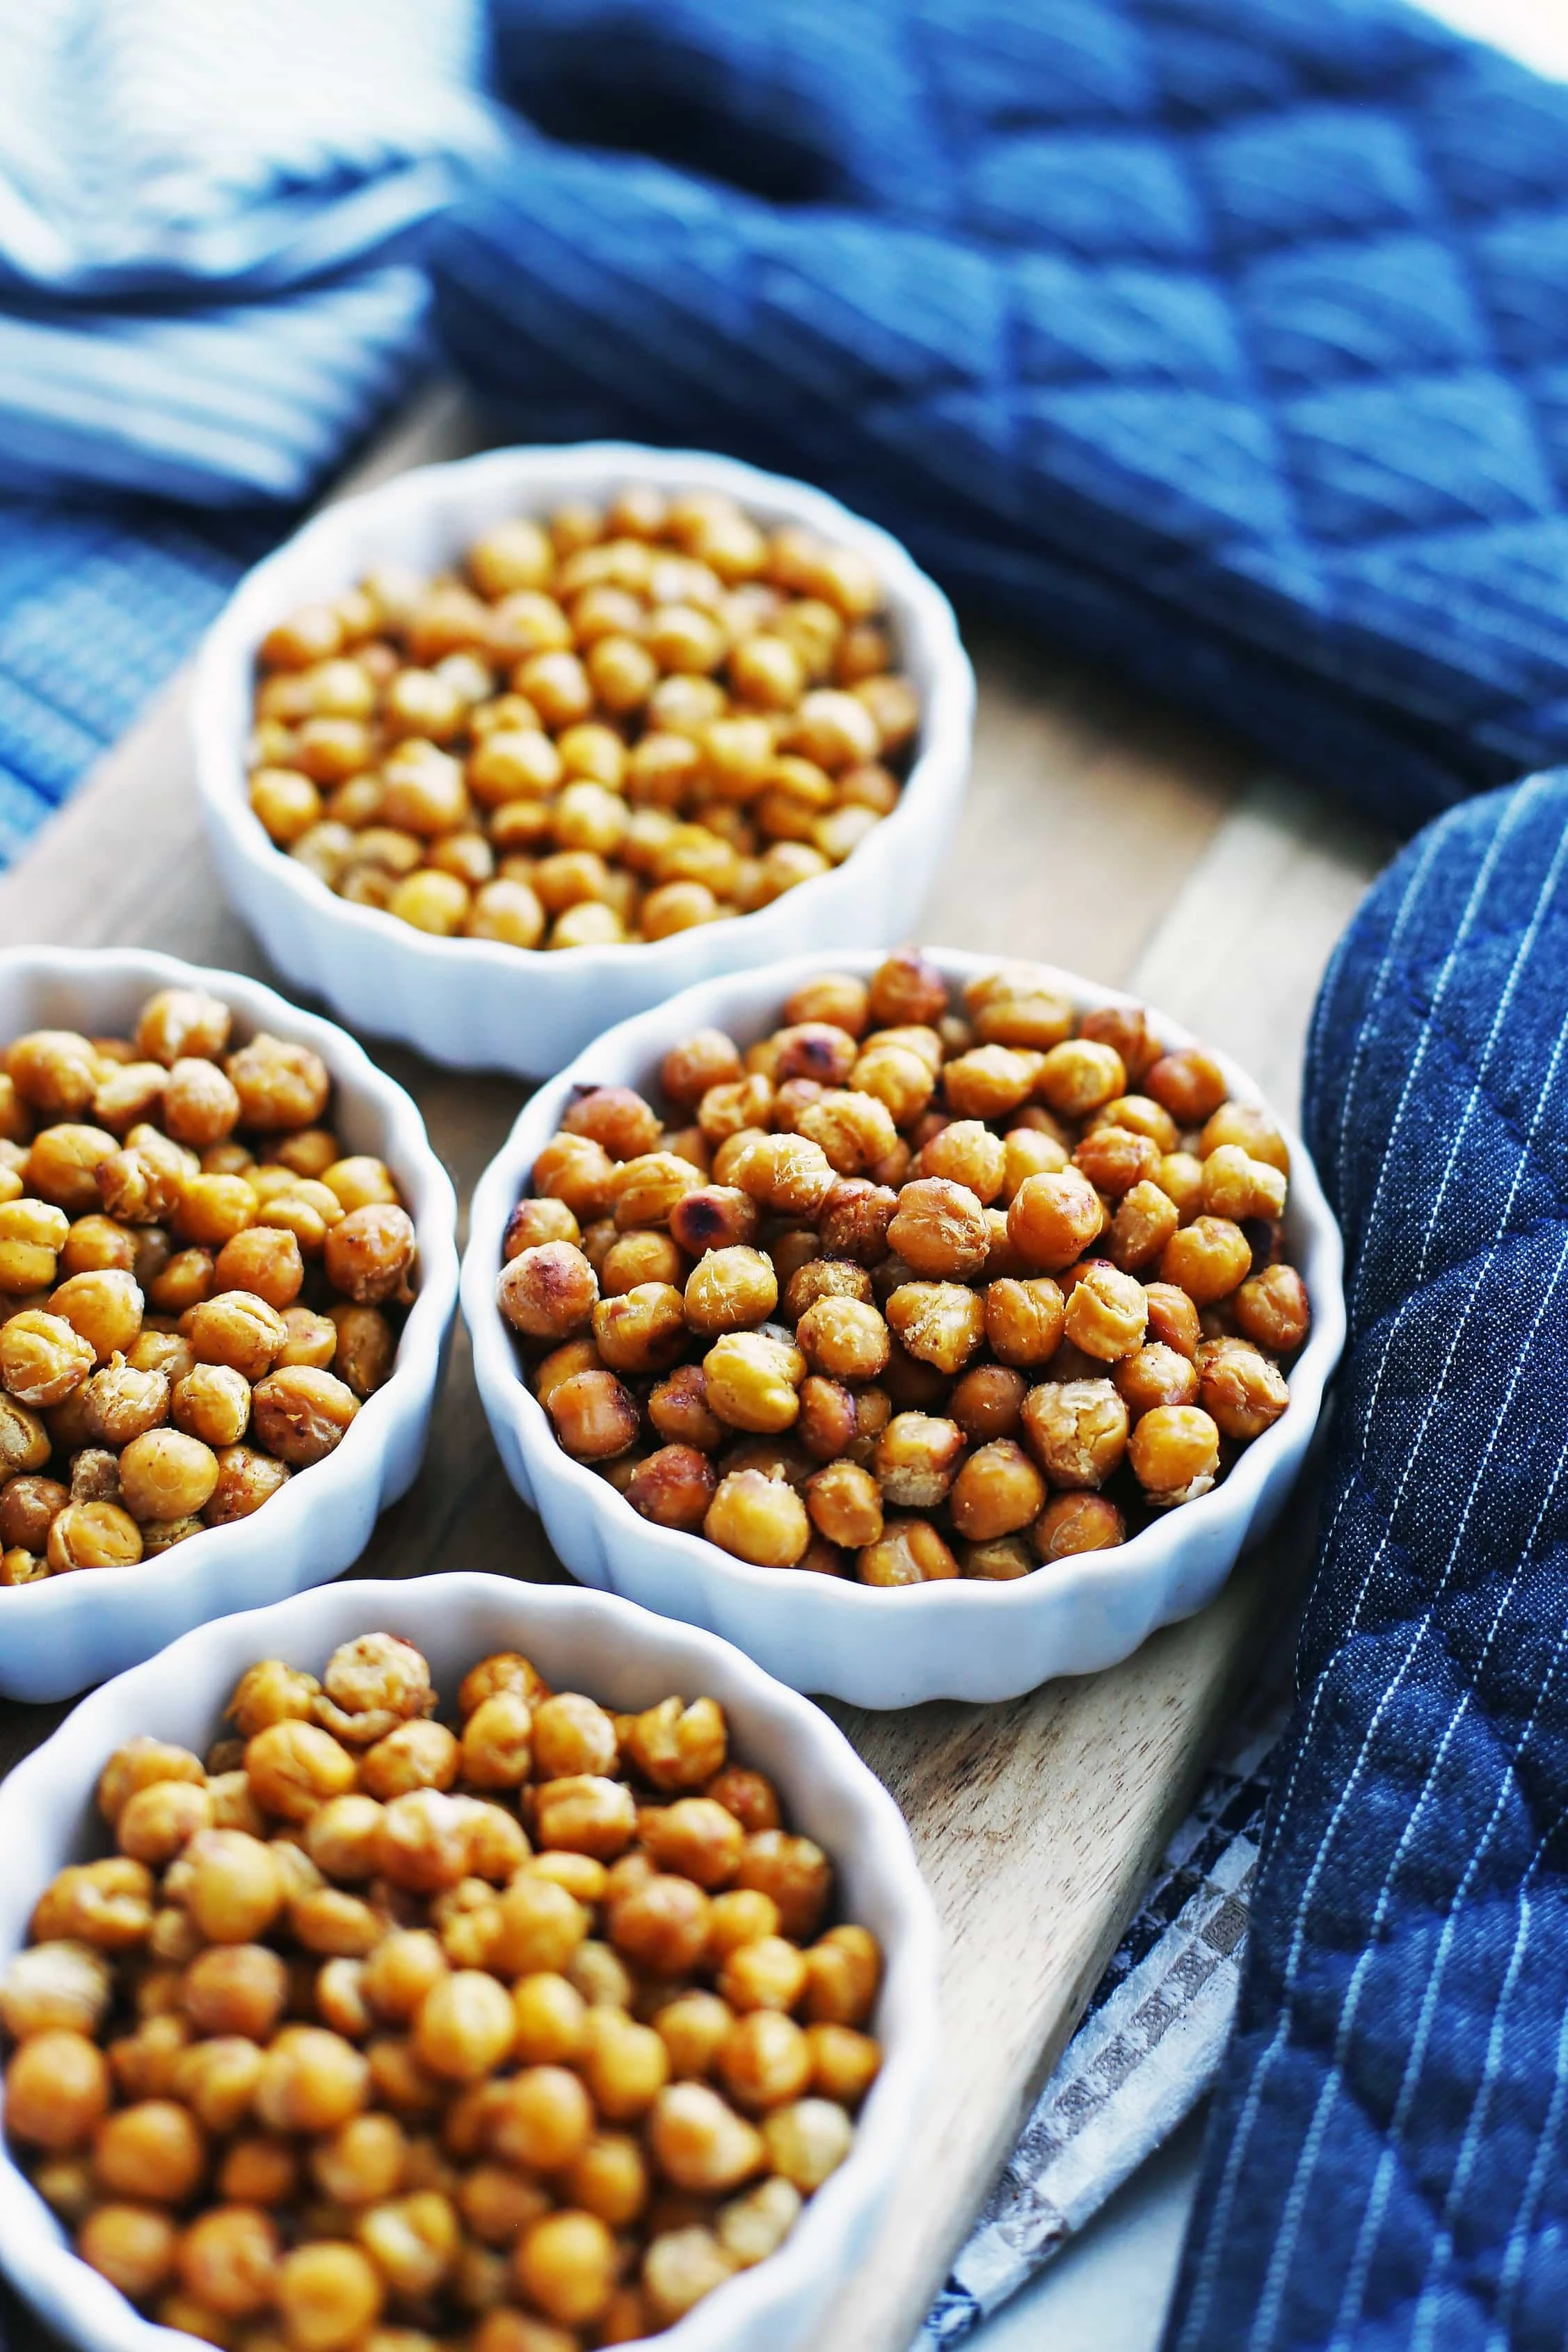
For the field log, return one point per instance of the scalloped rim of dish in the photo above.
(946, 718)
(739, 1002)
(434, 1211)
(55, 1781)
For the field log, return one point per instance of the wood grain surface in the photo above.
(1116, 839)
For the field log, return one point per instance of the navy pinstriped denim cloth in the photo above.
(1387, 2164)
(1224, 338)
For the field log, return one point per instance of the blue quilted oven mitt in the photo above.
(1224, 338)
(1387, 2162)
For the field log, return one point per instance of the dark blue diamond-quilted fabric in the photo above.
(1224, 338)
(1387, 2163)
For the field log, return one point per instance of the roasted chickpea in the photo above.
(1271, 1309)
(1243, 1391)
(595, 1416)
(908, 1551)
(1174, 1453)
(1106, 1313)
(997, 1491)
(674, 1487)
(938, 1323)
(245, 1480)
(369, 1252)
(1155, 1375)
(302, 1414)
(1208, 1259)
(758, 1518)
(1146, 1217)
(1173, 1318)
(548, 1291)
(1238, 1187)
(1076, 1430)
(58, 2088)
(329, 2293)
(1052, 1219)
(1077, 1522)
(1189, 1084)
(211, 1403)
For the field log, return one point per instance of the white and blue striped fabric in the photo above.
(209, 290)
(203, 213)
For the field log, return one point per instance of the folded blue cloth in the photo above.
(1228, 342)
(1387, 2164)
(208, 292)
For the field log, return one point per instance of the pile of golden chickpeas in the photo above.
(610, 726)
(373, 2030)
(907, 1291)
(198, 1286)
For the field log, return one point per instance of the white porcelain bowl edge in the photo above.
(580, 1640)
(957, 1640)
(475, 1004)
(58, 1635)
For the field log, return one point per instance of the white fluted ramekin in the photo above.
(477, 1003)
(58, 1635)
(580, 1640)
(959, 1639)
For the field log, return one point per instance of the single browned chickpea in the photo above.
(846, 1504)
(843, 1971)
(263, 1261)
(93, 1535)
(279, 1084)
(1244, 1392)
(245, 1479)
(1076, 1430)
(229, 2260)
(1077, 1522)
(938, 1323)
(677, 1745)
(369, 1252)
(549, 1291)
(1146, 1218)
(132, 2246)
(908, 1551)
(638, 1258)
(1208, 1259)
(642, 1330)
(661, 1924)
(302, 1414)
(329, 2293)
(1106, 1313)
(594, 1415)
(674, 1486)
(758, 1518)
(42, 1358)
(154, 2150)
(916, 1460)
(238, 1329)
(1155, 1375)
(58, 2087)
(1238, 1187)
(1052, 1219)
(211, 1403)
(532, 1222)
(464, 2026)
(56, 1985)
(586, 1813)
(1173, 1318)
(1174, 1453)
(416, 1755)
(1271, 1309)
(1189, 1084)
(166, 1475)
(997, 1491)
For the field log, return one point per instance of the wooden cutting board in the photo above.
(1116, 841)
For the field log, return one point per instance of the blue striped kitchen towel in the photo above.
(1226, 339)
(209, 290)
(1387, 2161)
